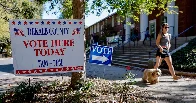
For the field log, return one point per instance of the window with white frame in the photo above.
(101, 29)
(118, 20)
(97, 27)
(112, 21)
(91, 31)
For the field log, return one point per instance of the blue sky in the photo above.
(89, 20)
(50, 15)
(92, 18)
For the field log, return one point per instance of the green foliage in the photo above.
(16, 9)
(185, 59)
(78, 95)
(131, 77)
(23, 93)
(129, 8)
(66, 9)
(20, 9)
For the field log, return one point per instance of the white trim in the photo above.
(153, 21)
(112, 21)
(98, 27)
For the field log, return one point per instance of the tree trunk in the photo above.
(78, 13)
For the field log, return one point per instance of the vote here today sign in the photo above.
(47, 46)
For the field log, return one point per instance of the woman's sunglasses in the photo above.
(166, 27)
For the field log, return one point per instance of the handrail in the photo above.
(184, 31)
(173, 38)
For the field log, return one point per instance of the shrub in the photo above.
(185, 59)
(23, 93)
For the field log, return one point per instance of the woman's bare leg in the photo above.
(171, 68)
(158, 62)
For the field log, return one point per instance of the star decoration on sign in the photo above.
(59, 22)
(19, 23)
(48, 22)
(13, 22)
(42, 22)
(80, 22)
(25, 23)
(37, 22)
(64, 22)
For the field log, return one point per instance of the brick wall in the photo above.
(107, 20)
(188, 17)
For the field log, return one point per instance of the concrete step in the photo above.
(117, 59)
(129, 64)
(139, 65)
(121, 61)
(134, 49)
(130, 59)
(139, 61)
(131, 52)
(132, 55)
(120, 64)
(139, 58)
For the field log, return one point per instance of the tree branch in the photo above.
(5, 7)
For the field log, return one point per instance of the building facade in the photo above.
(177, 22)
(113, 20)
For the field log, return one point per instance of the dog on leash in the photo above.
(151, 76)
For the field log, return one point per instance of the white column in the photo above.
(143, 25)
(171, 19)
(128, 29)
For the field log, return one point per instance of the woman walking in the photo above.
(163, 43)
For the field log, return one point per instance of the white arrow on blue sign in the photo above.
(101, 55)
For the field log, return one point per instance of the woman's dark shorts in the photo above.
(164, 54)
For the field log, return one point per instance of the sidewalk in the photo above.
(166, 91)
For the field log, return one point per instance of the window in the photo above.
(118, 20)
(112, 21)
(90, 30)
(101, 29)
(97, 27)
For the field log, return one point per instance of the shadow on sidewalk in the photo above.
(8, 68)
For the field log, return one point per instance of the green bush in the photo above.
(23, 93)
(185, 59)
(5, 45)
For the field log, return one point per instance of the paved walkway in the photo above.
(167, 91)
